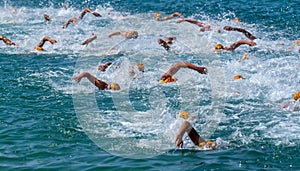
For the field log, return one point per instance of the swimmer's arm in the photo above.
(73, 19)
(7, 41)
(123, 33)
(245, 32)
(198, 23)
(201, 70)
(175, 14)
(89, 40)
(239, 43)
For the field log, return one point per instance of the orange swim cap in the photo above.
(237, 19)
(168, 80)
(184, 114)
(236, 77)
(38, 48)
(208, 144)
(296, 95)
(219, 46)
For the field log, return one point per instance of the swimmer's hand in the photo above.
(178, 141)
(202, 70)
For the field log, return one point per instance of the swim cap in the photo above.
(114, 86)
(140, 66)
(237, 19)
(169, 79)
(133, 34)
(208, 144)
(236, 77)
(38, 48)
(184, 114)
(296, 95)
(219, 46)
(157, 15)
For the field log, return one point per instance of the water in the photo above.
(49, 122)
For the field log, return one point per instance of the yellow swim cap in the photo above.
(114, 86)
(219, 46)
(133, 34)
(169, 79)
(184, 114)
(140, 66)
(157, 15)
(38, 48)
(296, 95)
(236, 77)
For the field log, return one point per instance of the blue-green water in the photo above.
(49, 122)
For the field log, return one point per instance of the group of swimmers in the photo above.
(168, 75)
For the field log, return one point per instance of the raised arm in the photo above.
(175, 14)
(85, 10)
(7, 41)
(239, 43)
(192, 133)
(205, 27)
(71, 20)
(89, 40)
(121, 32)
(98, 83)
(175, 68)
(42, 42)
(245, 32)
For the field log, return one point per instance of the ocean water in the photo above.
(49, 122)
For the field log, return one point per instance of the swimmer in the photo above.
(89, 40)
(85, 10)
(235, 45)
(246, 33)
(46, 17)
(140, 66)
(98, 83)
(133, 34)
(204, 27)
(165, 43)
(39, 47)
(293, 105)
(167, 76)
(104, 66)
(71, 20)
(64, 5)
(186, 127)
(158, 17)
(7, 41)
(297, 42)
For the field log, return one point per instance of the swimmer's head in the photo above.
(114, 86)
(133, 34)
(157, 15)
(296, 95)
(38, 48)
(218, 47)
(236, 77)
(184, 114)
(140, 66)
(237, 19)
